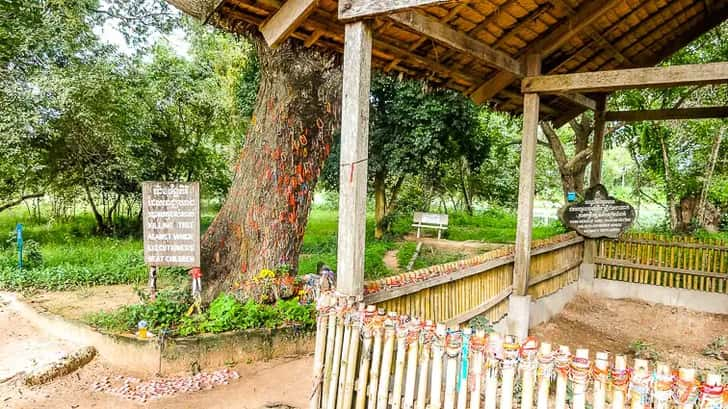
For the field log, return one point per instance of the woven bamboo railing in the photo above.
(366, 358)
(457, 292)
(676, 262)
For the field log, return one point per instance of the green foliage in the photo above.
(482, 323)
(428, 256)
(643, 350)
(163, 313)
(718, 348)
(224, 314)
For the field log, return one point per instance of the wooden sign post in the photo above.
(171, 218)
(599, 215)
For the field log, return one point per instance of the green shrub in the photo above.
(224, 314)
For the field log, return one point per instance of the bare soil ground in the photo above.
(77, 304)
(677, 335)
(470, 247)
(24, 347)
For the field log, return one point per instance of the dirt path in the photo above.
(76, 304)
(24, 347)
(390, 260)
(469, 246)
(677, 335)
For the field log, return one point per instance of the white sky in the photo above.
(110, 34)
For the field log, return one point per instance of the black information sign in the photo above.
(599, 215)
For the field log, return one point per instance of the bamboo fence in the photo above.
(669, 261)
(459, 291)
(368, 358)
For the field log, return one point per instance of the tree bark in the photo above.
(572, 170)
(20, 200)
(464, 187)
(262, 222)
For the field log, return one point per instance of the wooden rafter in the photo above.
(547, 45)
(359, 9)
(286, 20)
(457, 40)
(594, 34)
(667, 114)
(651, 77)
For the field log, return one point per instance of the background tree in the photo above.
(418, 132)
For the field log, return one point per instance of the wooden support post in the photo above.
(527, 183)
(354, 150)
(598, 143)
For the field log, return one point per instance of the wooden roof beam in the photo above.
(594, 34)
(651, 77)
(359, 9)
(454, 39)
(548, 44)
(199, 9)
(286, 20)
(667, 114)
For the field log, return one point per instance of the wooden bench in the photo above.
(422, 220)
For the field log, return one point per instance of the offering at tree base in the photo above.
(599, 215)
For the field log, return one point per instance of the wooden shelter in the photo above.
(547, 59)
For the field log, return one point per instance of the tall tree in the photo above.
(263, 219)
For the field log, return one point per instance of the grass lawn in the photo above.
(64, 255)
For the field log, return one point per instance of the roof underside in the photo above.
(571, 35)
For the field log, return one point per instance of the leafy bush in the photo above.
(162, 313)
(225, 313)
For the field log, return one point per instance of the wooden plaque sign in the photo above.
(599, 215)
(171, 216)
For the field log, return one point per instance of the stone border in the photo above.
(141, 358)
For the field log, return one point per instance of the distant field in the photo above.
(67, 254)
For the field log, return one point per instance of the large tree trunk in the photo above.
(262, 221)
(572, 170)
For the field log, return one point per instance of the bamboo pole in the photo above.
(601, 377)
(662, 387)
(562, 363)
(324, 310)
(376, 361)
(396, 399)
(462, 385)
(639, 385)
(412, 355)
(711, 396)
(545, 372)
(343, 370)
(620, 382)
(366, 358)
(438, 345)
(452, 351)
(527, 367)
(495, 351)
(338, 345)
(508, 371)
(686, 393)
(330, 342)
(579, 376)
(427, 337)
(478, 346)
(386, 370)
